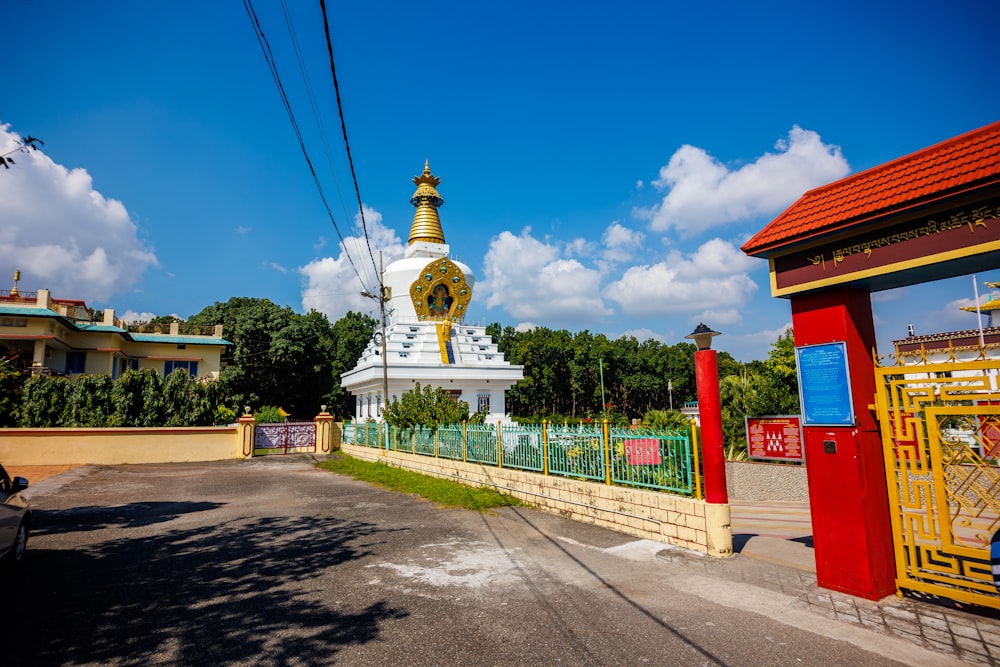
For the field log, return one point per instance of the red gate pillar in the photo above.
(852, 536)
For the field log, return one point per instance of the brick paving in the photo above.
(773, 536)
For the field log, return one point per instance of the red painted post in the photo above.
(848, 494)
(706, 372)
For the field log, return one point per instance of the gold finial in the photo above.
(17, 279)
(426, 222)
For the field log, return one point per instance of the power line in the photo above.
(272, 66)
(312, 103)
(347, 145)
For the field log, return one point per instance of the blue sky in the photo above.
(600, 165)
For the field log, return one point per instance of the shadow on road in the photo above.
(203, 595)
(133, 515)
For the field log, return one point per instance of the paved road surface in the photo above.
(272, 561)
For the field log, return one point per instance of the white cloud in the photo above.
(63, 234)
(703, 193)
(133, 316)
(331, 284)
(711, 284)
(755, 345)
(531, 280)
(620, 243)
(579, 247)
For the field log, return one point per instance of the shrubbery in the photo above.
(136, 398)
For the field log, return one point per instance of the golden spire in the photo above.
(17, 279)
(426, 223)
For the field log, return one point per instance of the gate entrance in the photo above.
(940, 425)
(912, 480)
(286, 438)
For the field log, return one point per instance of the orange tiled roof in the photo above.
(964, 162)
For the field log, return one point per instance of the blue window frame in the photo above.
(76, 362)
(190, 366)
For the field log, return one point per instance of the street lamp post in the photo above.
(717, 514)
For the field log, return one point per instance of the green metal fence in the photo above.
(577, 451)
(642, 458)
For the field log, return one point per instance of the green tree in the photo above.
(88, 402)
(186, 401)
(43, 399)
(11, 382)
(270, 414)
(671, 421)
(427, 406)
(778, 386)
(278, 357)
(302, 351)
(351, 334)
(138, 399)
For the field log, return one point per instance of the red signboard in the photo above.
(643, 452)
(775, 438)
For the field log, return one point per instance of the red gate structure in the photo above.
(930, 215)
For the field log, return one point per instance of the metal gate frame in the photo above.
(940, 421)
(297, 436)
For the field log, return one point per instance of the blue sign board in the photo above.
(824, 385)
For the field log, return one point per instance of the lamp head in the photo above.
(702, 336)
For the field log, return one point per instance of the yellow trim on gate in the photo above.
(917, 263)
(935, 542)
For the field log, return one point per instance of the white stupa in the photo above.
(426, 342)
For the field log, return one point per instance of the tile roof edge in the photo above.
(758, 249)
(885, 166)
(762, 248)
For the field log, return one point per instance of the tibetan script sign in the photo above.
(873, 253)
(775, 438)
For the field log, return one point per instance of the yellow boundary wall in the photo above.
(647, 514)
(113, 446)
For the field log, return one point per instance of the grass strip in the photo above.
(441, 491)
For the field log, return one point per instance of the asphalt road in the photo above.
(274, 562)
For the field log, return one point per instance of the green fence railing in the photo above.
(643, 458)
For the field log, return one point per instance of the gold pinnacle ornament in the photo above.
(426, 223)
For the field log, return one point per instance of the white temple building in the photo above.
(426, 298)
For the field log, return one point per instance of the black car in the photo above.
(15, 518)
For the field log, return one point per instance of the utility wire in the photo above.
(312, 103)
(272, 66)
(347, 145)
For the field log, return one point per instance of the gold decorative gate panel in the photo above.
(940, 423)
